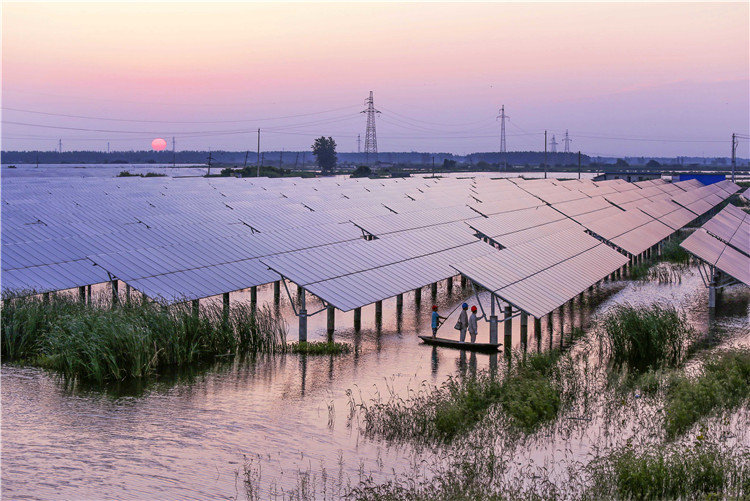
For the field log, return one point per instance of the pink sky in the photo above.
(439, 73)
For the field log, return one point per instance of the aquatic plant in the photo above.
(529, 395)
(667, 472)
(129, 340)
(319, 348)
(723, 383)
(645, 337)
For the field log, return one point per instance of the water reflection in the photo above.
(182, 435)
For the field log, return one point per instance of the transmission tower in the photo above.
(553, 145)
(59, 145)
(566, 141)
(359, 144)
(371, 142)
(502, 116)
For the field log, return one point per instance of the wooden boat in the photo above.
(452, 343)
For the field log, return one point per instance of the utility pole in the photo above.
(209, 162)
(281, 156)
(579, 163)
(734, 153)
(174, 154)
(371, 142)
(503, 150)
(246, 154)
(545, 154)
(59, 146)
(359, 143)
(257, 173)
(433, 165)
(107, 147)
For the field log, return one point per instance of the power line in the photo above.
(109, 119)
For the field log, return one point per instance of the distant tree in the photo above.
(324, 150)
(362, 171)
(621, 164)
(449, 164)
(653, 164)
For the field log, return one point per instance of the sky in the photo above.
(656, 79)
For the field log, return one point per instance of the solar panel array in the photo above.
(177, 239)
(724, 242)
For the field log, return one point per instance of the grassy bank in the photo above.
(529, 395)
(640, 338)
(102, 344)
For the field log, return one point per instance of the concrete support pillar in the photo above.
(276, 291)
(196, 307)
(712, 290)
(225, 306)
(331, 321)
(550, 328)
(433, 290)
(357, 318)
(254, 296)
(399, 304)
(82, 294)
(493, 321)
(379, 312)
(302, 315)
(115, 292)
(508, 338)
(562, 325)
(417, 296)
(524, 330)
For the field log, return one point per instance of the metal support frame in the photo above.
(196, 303)
(399, 304)
(508, 338)
(433, 290)
(330, 323)
(225, 306)
(82, 294)
(418, 295)
(357, 318)
(276, 292)
(254, 295)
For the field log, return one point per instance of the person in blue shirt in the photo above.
(436, 320)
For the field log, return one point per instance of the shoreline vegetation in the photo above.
(102, 344)
(677, 443)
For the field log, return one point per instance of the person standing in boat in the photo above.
(473, 324)
(463, 322)
(436, 320)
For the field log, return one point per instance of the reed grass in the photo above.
(103, 344)
(723, 383)
(640, 338)
(671, 472)
(529, 395)
(319, 348)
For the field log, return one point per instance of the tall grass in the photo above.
(663, 472)
(529, 395)
(722, 384)
(129, 341)
(645, 337)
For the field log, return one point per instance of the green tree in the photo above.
(653, 165)
(324, 150)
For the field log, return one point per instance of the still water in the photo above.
(187, 437)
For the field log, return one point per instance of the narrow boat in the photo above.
(452, 343)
